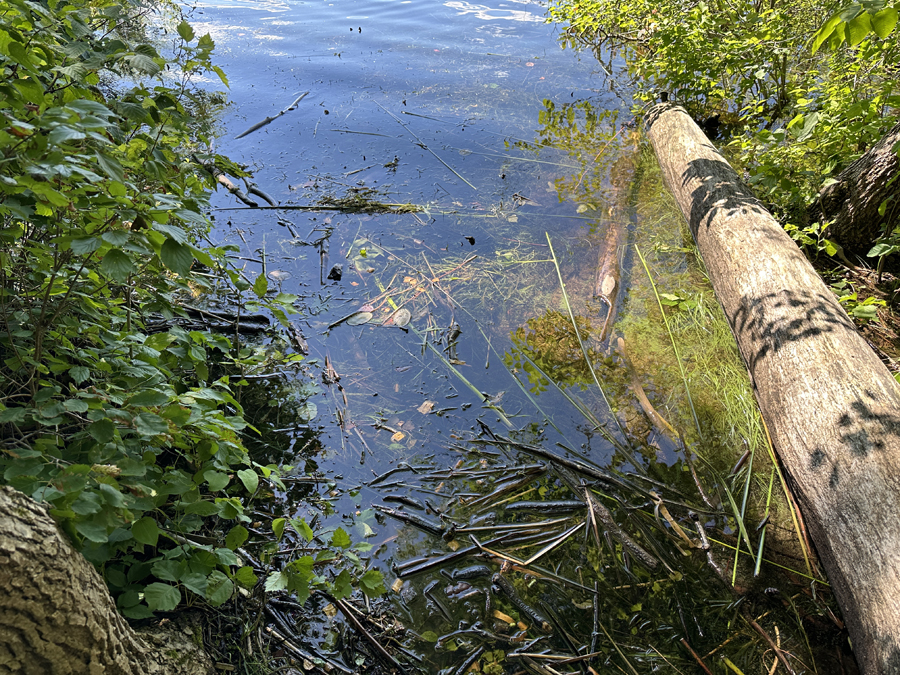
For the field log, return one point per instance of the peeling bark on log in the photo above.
(56, 615)
(852, 202)
(832, 408)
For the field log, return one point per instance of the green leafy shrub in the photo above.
(133, 437)
(794, 116)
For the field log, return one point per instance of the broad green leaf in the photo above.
(93, 531)
(276, 582)
(260, 286)
(185, 31)
(246, 577)
(236, 537)
(250, 479)
(102, 430)
(219, 588)
(202, 508)
(342, 586)
(111, 167)
(117, 264)
(150, 424)
(302, 528)
(177, 257)
(215, 479)
(340, 538)
(859, 28)
(162, 597)
(372, 583)
(148, 397)
(146, 531)
(278, 527)
(883, 22)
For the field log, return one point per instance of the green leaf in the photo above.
(245, 577)
(150, 424)
(302, 528)
(215, 479)
(93, 531)
(340, 538)
(148, 397)
(111, 167)
(278, 527)
(75, 405)
(162, 597)
(185, 31)
(859, 28)
(276, 582)
(219, 588)
(102, 430)
(250, 479)
(236, 537)
(260, 286)
(79, 374)
(117, 264)
(13, 415)
(372, 583)
(221, 73)
(177, 257)
(342, 587)
(202, 508)
(145, 531)
(883, 22)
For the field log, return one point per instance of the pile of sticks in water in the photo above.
(485, 579)
(508, 578)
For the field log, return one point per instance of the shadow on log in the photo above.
(831, 406)
(56, 615)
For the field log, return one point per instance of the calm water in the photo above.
(448, 95)
(473, 113)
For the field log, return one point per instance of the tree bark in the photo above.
(831, 406)
(852, 202)
(56, 614)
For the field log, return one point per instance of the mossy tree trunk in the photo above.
(852, 202)
(831, 406)
(56, 614)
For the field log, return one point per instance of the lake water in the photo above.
(527, 177)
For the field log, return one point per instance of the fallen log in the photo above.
(831, 406)
(56, 614)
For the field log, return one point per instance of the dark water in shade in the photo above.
(475, 114)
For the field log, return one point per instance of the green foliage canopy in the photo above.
(795, 114)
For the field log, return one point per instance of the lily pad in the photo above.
(359, 318)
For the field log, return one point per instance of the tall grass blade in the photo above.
(662, 311)
(580, 341)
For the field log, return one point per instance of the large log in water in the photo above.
(832, 408)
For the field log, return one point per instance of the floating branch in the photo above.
(269, 120)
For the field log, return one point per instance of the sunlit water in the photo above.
(441, 93)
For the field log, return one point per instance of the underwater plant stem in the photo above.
(580, 341)
(662, 311)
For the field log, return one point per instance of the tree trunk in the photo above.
(56, 615)
(831, 406)
(852, 202)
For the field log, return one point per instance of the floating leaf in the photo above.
(426, 407)
(366, 308)
(398, 436)
(399, 318)
(359, 318)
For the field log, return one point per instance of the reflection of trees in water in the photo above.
(550, 342)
